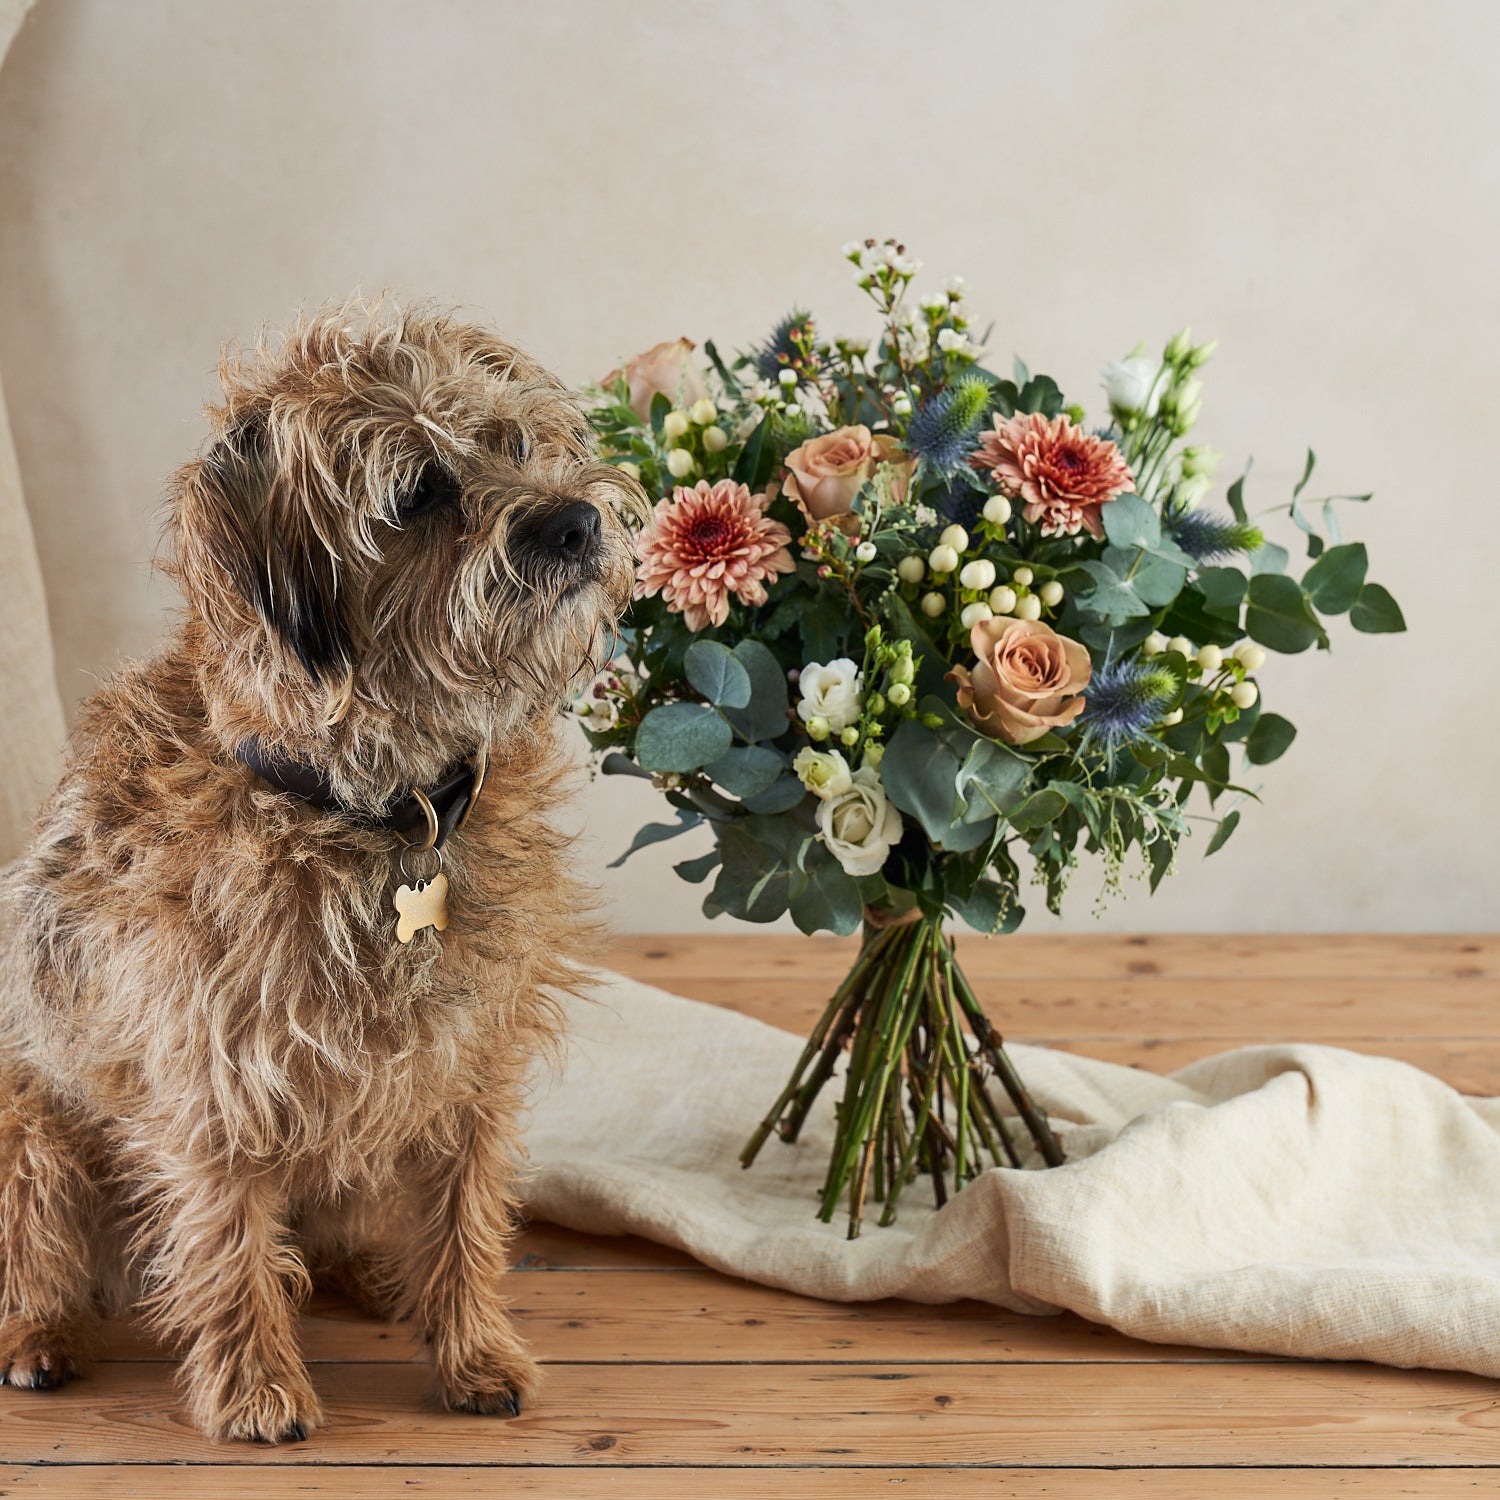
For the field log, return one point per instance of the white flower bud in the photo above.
(1190, 491)
(630, 471)
(951, 341)
(793, 409)
(1181, 645)
(933, 605)
(1244, 694)
(1051, 593)
(979, 574)
(955, 286)
(703, 411)
(854, 251)
(1029, 608)
(1175, 717)
(1154, 644)
(900, 694)
(680, 463)
(818, 728)
(1210, 658)
(973, 613)
(942, 558)
(715, 439)
(866, 552)
(901, 405)
(1003, 600)
(673, 425)
(788, 378)
(849, 736)
(997, 510)
(955, 537)
(1250, 656)
(933, 302)
(910, 569)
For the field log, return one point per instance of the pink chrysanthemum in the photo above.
(706, 543)
(1065, 476)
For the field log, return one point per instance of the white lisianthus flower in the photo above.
(1133, 387)
(859, 826)
(825, 773)
(831, 692)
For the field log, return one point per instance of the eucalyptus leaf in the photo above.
(765, 716)
(747, 770)
(781, 796)
(716, 672)
(1375, 612)
(829, 899)
(1130, 522)
(1269, 740)
(1278, 615)
(1334, 581)
(681, 737)
(1227, 824)
(1269, 558)
(656, 833)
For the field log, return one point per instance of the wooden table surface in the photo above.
(667, 1380)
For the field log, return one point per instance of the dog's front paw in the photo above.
(271, 1412)
(496, 1388)
(34, 1357)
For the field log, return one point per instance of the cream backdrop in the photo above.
(1313, 183)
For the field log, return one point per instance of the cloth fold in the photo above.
(1298, 1200)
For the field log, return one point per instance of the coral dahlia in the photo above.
(1064, 475)
(703, 544)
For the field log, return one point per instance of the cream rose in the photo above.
(859, 826)
(1026, 681)
(832, 692)
(826, 473)
(667, 369)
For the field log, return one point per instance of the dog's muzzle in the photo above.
(566, 537)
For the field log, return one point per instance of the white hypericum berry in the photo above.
(1210, 658)
(900, 694)
(703, 411)
(1181, 645)
(943, 558)
(1051, 593)
(793, 410)
(972, 614)
(680, 463)
(933, 605)
(1250, 656)
(997, 510)
(1154, 644)
(630, 471)
(901, 405)
(1175, 717)
(911, 569)
(715, 439)
(1003, 600)
(1029, 608)
(788, 378)
(979, 574)
(673, 425)
(866, 552)
(955, 537)
(1022, 576)
(1244, 694)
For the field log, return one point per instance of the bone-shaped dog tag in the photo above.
(422, 905)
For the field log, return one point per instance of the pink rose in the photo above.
(1027, 680)
(826, 473)
(666, 368)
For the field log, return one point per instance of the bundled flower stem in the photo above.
(916, 1099)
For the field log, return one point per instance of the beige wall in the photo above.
(1313, 183)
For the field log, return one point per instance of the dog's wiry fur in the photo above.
(214, 1050)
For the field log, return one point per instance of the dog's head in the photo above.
(401, 527)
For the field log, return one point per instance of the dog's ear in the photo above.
(244, 537)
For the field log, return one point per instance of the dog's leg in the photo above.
(352, 1247)
(226, 1279)
(48, 1201)
(465, 1217)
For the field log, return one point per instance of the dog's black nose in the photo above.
(570, 532)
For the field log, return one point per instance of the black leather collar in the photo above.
(451, 797)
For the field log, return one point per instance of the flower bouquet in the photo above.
(909, 634)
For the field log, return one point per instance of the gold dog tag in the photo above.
(422, 905)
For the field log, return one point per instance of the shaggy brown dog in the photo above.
(399, 551)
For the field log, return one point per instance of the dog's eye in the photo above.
(435, 487)
(520, 447)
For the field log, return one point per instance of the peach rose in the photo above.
(1027, 680)
(666, 368)
(826, 473)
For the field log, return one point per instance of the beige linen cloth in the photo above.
(1291, 1200)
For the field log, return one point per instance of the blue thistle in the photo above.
(960, 503)
(778, 351)
(1206, 537)
(1125, 699)
(942, 431)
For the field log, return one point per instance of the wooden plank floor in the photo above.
(667, 1380)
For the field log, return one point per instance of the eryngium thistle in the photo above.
(1125, 699)
(778, 351)
(1206, 537)
(942, 431)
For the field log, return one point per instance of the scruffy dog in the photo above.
(225, 1050)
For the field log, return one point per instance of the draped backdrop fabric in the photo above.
(31, 715)
(1295, 1200)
